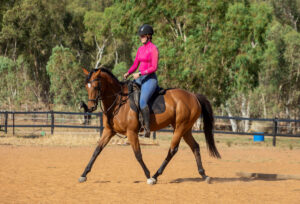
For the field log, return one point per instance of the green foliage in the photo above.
(287, 12)
(66, 77)
(280, 79)
(230, 50)
(31, 28)
(119, 70)
(6, 64)
(245, 35)
(107, 30)
(16, 87)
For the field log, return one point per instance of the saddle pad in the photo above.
(156, 103)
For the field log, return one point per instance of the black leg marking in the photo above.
(196, 151)
(90, 164)
(138, 156)
(170, 155)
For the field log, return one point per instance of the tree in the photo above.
(31, 28)
(287, 12)
(66, 78)
(280, 77)
(226, 50)
(105, 30)
(16, 89)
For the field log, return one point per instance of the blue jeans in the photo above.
(148, 86)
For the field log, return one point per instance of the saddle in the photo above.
(156, 103)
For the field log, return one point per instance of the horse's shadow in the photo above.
(31, 136)
(241, 177)
(102, 181)
(213, 180)
(244, 177)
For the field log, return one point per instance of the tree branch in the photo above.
(100, 52)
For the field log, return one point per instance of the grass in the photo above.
(84, 137)
(229, 143)
(61, 137)
(240, 140)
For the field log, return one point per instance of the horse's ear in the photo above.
(97, 73)
(86, 72)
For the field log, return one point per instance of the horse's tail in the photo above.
(208, 120)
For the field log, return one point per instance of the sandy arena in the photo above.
(49, 174)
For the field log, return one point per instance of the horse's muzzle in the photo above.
(92, 109)
(86, 108)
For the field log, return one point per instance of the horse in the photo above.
(183, 108)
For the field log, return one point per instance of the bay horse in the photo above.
(182, 110)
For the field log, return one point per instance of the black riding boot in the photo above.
(146, 117)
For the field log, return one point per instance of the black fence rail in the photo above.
(49, 120)
(53, 119)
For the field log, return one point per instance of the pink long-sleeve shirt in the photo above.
(147, 58)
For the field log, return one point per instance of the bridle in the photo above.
(99, 98)
(99, 90)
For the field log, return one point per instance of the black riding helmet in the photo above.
(145, 30)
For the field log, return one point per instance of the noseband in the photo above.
(99, 98)
(98, 88)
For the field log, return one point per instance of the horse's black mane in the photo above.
(110, 74)
(107, 71)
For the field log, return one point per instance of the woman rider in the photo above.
(147, 60)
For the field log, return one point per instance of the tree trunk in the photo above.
(288, 125)
(232, 121)
(245, 109)
(264, 105)
(100, 52)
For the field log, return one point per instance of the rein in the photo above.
(99, 98)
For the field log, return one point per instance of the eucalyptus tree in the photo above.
(66, 78)
(287, 12)
(245, 42)
(107, 32)
(5, 5)
(31, 28)
(17, 89)
(185, 32)
(281, 76)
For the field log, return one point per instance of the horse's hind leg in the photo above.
(107, 135)
(172, 151)
(189, 139)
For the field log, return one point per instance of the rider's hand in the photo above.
(136, 75)
(126, 75)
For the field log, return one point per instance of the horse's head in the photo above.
(93, 87)
(101, 84)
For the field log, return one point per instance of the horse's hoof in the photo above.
(208, 180)
(151, 181)
(82, 179)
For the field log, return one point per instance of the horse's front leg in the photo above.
(107, 135)
(134, 141)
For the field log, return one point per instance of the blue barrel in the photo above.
(258, 137)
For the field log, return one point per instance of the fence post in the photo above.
(47, 119)
(6, 119)
(52, 122)
(13, 118)
(101, 123)
(154, 135)
(275, 130)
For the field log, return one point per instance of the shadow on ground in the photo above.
(242, 176)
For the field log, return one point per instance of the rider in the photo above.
(147, 60)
